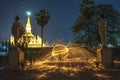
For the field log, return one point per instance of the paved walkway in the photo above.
(46, 72)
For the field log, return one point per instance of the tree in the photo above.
(86, 25)
(42, 18)
(21, 31)
(15, 29)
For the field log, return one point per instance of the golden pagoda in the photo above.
(28, 39)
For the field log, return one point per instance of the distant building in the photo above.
(28, 39)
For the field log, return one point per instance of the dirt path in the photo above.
(44, 72)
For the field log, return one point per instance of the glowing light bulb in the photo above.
(28, 13)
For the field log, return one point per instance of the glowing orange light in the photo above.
(59, 49)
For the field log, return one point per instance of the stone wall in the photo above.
(15, 56)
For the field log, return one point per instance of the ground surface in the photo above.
(46, 72)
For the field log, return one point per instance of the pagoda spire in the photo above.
(28, 24)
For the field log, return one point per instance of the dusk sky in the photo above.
(63, 15)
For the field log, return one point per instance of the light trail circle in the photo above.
(59, 50)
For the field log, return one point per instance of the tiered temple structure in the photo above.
(28, 39)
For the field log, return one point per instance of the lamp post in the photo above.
(104, 54)
(102, 30)
(102, 33)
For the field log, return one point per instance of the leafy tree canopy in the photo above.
(42, 17)
(86, 25)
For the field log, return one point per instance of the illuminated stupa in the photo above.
(28, 39)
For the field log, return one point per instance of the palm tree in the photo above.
(42, 18)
